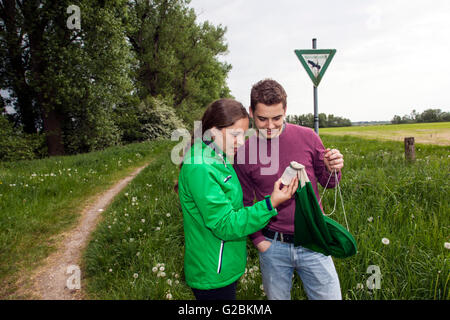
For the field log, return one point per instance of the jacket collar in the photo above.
(222, 155)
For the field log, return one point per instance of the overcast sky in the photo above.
(392, 55)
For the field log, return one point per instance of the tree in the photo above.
(396, 120)
(429, 115)
(177, 57)
(307, 120)
(74, 85)
(65, 82)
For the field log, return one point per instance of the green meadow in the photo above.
(137, 251)
(39, 199)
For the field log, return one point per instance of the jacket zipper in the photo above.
(219, 267)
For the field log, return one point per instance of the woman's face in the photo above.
(229, 139)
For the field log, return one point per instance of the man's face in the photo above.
(269, 119)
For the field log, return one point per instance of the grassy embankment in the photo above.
(39, 199)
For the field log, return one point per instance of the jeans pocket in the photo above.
(267, 249)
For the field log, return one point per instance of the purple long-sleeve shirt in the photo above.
(260, 162)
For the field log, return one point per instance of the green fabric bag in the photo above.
(314, 230)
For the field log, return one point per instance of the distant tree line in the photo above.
(307, 120)
(429, 115)
(133, 71)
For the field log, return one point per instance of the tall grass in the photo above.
(137, 252)
(41, 198)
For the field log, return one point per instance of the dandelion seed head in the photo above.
(385, 241)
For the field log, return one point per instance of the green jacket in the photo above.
(215, 221)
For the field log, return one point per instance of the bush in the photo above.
(158, 120)
(151, 119)
(16, 145)
(91, 130)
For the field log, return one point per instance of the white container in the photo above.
(290, 172)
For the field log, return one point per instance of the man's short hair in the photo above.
(268, 92)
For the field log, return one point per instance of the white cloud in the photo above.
(391, 55)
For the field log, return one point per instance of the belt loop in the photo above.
(275, 237)
(281, 236)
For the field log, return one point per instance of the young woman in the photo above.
(216, 223)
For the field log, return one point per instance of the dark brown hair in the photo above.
(268, 92)
(221, 113)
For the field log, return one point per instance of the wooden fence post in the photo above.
(410, 151)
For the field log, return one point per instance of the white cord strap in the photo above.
(336, 189)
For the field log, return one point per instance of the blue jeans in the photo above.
(316, 271)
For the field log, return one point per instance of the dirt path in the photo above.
(49, 282)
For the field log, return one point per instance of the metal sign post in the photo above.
(316, 107)
(315, 63)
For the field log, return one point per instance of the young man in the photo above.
(284, 143)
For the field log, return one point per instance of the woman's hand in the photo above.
(279, 196)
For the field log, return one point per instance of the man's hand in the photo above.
(333, 160)
(264, 245)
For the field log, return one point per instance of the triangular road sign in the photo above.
(315, 62)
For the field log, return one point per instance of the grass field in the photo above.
(137, 251)
(430, 133)
(41, 198)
